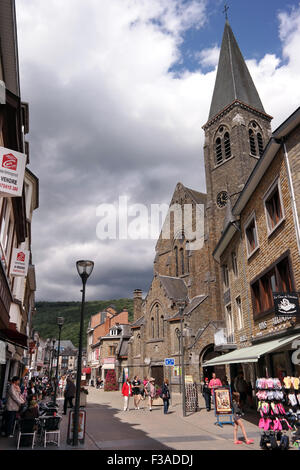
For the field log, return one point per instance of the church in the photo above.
(186, 298)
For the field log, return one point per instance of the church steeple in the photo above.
(233, 80)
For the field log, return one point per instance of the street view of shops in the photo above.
(138, 313)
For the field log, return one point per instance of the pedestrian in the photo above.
(145, 381)
(69, 394)
(32, 411)
(165, 395)
(14, 401)
(240, 386)
(150, 391)
(214, 383)
(206, 392)
(31, 390)
(126, 392)
(98, 381)
(136, 392)
(237, 418)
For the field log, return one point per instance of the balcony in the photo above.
(224, 341)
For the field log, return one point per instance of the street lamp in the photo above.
(84, 269)
(52, 354)
(59, 322)
(180, 337)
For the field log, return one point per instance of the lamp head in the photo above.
(60, 321)
(84, 269)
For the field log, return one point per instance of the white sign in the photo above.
(2, 352)
(20, 262)
(12, 169)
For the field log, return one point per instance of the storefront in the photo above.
(276, 358)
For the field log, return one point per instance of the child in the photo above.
(237, 417)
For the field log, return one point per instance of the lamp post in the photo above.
(84, 269)
(59, 322)
(52, 354)
(180, 336)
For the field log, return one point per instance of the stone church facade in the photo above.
(187, 280)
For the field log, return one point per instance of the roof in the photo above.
(174, 287)
(123, 347)
(195, 302)
(233, 80)
(199, 198)
(138, 322)
(65, 344)
(252, 353)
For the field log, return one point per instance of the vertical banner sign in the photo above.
(19, 262)
(12, 169)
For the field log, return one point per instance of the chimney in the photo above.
(137, 304)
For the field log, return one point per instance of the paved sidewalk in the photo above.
(110, 428)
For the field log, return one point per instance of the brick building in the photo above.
(237, 138)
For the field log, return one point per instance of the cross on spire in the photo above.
(226, 8)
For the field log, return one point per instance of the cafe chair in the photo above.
(51, 428)
(27, 427)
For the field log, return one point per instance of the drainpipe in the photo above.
(293, 199)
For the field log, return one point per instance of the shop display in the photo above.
(279, 409)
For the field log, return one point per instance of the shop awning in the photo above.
(86, 370)
(14, 337)
(252, 353)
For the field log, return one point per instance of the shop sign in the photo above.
(263, 325)
(2, 352)
(19, 263)
(243, 339)
(278, 320)
(189, 379)
(12, 169)
(286, 304)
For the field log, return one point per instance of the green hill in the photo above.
(44, 320)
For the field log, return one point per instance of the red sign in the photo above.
(21, 256)
(10, 162)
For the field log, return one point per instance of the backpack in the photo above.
(284, 443)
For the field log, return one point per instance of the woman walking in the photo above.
(126, 392)
(237, 417)
(206, 392)
(136, 392)
(165, 394)
(150, 391)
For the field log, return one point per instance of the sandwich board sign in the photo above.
(12, 170)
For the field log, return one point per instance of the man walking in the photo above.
(69, 394)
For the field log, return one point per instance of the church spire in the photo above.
(233, 80)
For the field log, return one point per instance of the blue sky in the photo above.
(254, 23)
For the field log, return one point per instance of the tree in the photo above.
(111, 384)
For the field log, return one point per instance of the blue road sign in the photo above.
(169, 362)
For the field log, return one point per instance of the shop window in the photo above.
(273, 208)
(277, 279)
(234, 264)
(239, 313)
(251, 236)
(225, 275)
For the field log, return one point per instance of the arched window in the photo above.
(255, 140)
(260, 144)
(227, 145)
(157, 320)
(188, 258)
(162, 326)
(176, 261)
(252, 142)
(182, 260)
(219, 153)
(152, 327)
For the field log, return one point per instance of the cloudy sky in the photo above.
(118, 92)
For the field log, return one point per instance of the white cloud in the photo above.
(108, 118)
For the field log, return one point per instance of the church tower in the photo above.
(236, 133)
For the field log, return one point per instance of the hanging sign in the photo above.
(286, 304)
(2, 352)
(12, 169)
(19, 262)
